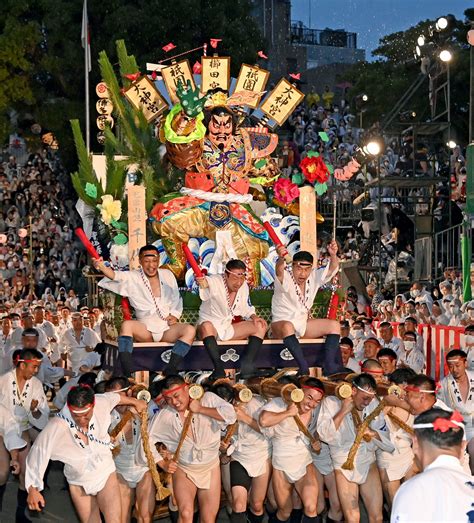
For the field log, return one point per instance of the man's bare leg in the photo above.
(307, 488)
(335, 511)
(348, 493)
(210, 499)
(332, 354)
(185, 494)
(126, 499)
(282, 490)
(145, 499)
(107, 500)
(321, 501)
(86, 506)
(371, 493)
(389, 487)
(258, 491)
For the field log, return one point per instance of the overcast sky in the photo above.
(372, 19)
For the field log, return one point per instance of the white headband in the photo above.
(366, 391)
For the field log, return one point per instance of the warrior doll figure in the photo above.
(202, 136)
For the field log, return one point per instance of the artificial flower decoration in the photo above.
(285, 191)
(314, 168)
(91, 190)
(110, 209)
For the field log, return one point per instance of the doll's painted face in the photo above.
(220, 130)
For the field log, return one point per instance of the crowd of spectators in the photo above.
(442, 304)
(35, 190)
(401, 157)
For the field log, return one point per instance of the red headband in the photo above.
(170, 391)
(18, 360)
(313, 388)
(414, 388)
(455, 421)
(371, 371)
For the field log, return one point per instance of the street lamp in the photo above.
(441, 24)
(446, 56)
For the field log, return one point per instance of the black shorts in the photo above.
(239, 476)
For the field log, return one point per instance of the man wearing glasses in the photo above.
(296, 286)
(226, 314)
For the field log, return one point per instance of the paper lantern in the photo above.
(470, 37)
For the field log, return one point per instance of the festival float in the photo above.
(191, 165)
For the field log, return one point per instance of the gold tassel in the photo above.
(349, 463)
(161, 491)
(400, 423)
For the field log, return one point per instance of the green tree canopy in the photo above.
(41, 48)
(387, 78)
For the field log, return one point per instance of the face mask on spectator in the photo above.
(415, 293)
(409, 345)
(357, 333)
(469, 339)
(16, 324)
(454, 310)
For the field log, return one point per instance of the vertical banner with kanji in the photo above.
(282, 101)
(136, 222)
(175, 73)
(215, 73)
(308, 240)
(251, 80)
(143, 95)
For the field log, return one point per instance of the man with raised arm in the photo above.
(154, 295)
(296, 286)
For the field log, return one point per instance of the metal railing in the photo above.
(447, 250)
(346, 212)
(300, 34)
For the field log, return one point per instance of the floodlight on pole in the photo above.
(373, 148)
(365, 98)
(421, 41)
(452, 144)
(445, 55)
(441, 24)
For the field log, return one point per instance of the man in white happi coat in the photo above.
(250, 466)
(412, 357)
(388, 340)
(27, 323)
(291, 451)
(21, 393)
(77, 342)
(154, 295)
(443, 491)
(457, 392)
(325, 474)
(5, 344)
(197, 472)
(397, 466)
(337, 424)
(134, 478)
(295, 289)
(225, 299)
(78, 437)
(10, 445)
(42, 323)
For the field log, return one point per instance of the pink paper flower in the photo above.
(285, 190)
